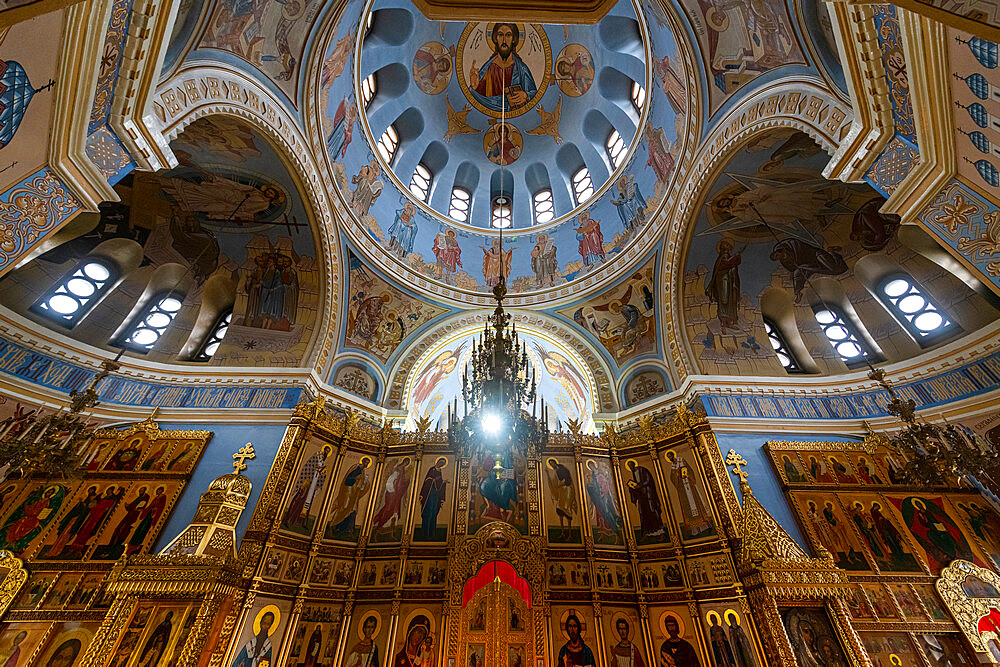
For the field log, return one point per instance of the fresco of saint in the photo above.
(504, 81)
(432, 67)
(343, 129)
(698, 521)
(432, 497)
(643, 494)
(496, 263)
(368, 188)
(631, 204)
(502, 144)
(543, 260)
(403, 231)
(723, 286)
(311, 481)
(575, 652)
(591, 240)
(28, 520)
(353, 487)
(447, 253)
(624, 653)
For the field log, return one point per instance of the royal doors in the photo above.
(497, 625)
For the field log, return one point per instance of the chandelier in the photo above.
(53, 444)
(498, 388)
(936, 455)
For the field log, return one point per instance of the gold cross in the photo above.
(735, 460)
(245, 452)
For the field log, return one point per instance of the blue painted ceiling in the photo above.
(582, 72)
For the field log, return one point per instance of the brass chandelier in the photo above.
(53, 444)
(936, 455)
(498, 388)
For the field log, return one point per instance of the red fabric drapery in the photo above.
(491, 572)
(990, 622)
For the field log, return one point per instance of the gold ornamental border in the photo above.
(14, 578)
(967, 610)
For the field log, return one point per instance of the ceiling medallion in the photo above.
(503, 68)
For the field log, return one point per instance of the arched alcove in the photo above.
(230, 214)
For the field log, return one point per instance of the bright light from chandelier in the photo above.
(492, 423)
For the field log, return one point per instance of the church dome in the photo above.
(441, 133)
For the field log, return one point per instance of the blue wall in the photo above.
(765, 483)
(218, 460)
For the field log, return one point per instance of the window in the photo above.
(214, 339)
(583, 187)
(843, 336)
(388, 143)
(921, 317)
(780, 347)
(638, 96)
(420, 182)
(461, 200)
(71, 299)
(501, 215)
(368, 90)
(152, 322)
(616, 148)
(542, 206)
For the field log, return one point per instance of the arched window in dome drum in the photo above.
(152, 322)
(844, 337)
(616, 148)
(77, 293)
(914, 309)
(420, 182)
(215, 337)
(638, 96)
(782, 350)
(461, 201)
(583, 186)
(500, 217)
(542, 206)
(388, 143)
(368, 90)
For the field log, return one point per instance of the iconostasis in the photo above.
(368, 545)
(581, 554)
(892, 538)
(70, 532)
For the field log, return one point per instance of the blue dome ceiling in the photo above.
(563, 89)
(473, 115)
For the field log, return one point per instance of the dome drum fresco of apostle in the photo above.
(770, 237)
(475, 98)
